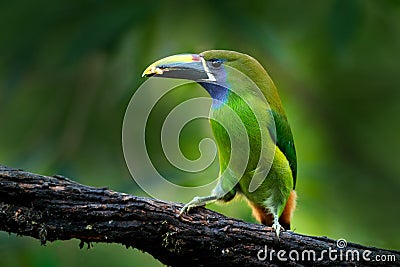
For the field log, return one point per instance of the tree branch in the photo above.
(56, 208)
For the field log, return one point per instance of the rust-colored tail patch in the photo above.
(287, 213)
(263, 216)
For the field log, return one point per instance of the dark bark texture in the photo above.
(52, 208)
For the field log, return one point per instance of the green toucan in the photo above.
(268, 177)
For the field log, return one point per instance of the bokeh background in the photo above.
(69, 68)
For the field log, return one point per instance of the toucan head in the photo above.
(204, 67)
(215, 70)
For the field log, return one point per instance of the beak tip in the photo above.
(153, 70)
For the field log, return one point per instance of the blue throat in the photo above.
(218, 93)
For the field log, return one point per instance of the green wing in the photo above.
(284, 141)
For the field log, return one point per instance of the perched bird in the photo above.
(268, 177)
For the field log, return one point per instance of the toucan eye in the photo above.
(216, 63)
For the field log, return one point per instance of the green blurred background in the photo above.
(69, 68)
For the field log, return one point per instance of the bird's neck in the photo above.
(219, 93)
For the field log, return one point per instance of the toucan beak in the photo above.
(183, 66)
